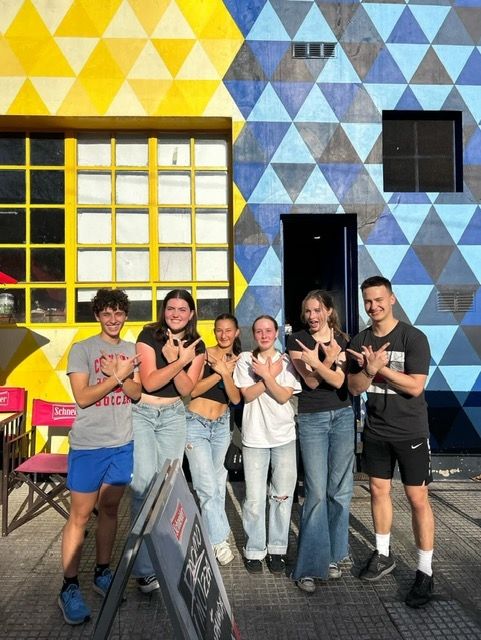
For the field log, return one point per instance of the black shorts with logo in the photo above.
(379, 459)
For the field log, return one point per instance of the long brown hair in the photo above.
(325, 299)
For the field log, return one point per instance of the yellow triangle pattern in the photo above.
(139, 58)
(114, 51)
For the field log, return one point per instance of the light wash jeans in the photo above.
(283, 483)
(327, 447)
(206, 445)
(159, 434)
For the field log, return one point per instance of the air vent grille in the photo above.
(456, 301)
(313, 49)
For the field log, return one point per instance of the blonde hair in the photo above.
(325, 299)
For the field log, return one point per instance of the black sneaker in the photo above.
(377, 567)
(275, 563)
(253, 566)
(422, 590)
(147, 584)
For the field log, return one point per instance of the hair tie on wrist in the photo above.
(366, 373)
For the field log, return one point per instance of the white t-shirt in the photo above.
(266, 422)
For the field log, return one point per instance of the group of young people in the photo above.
(176, 399)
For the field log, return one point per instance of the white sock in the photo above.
(424, 561)
(382, 543)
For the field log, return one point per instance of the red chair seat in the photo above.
(47, 463)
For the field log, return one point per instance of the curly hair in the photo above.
(110, 299)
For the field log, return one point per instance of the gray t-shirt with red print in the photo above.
(108, 422)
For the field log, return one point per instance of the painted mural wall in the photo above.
(306, 139)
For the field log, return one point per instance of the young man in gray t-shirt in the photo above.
(104, 381)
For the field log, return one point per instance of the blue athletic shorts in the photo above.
(89, 469)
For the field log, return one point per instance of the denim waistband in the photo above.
(156, 408)
(223, 418)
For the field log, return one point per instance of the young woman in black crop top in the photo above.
(208, 432)
(172, 359)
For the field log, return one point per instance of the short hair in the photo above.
(376, 281)
(110, 299)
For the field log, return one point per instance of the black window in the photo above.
(422, 151)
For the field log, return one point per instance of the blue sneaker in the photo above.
(72, 605)
(102, 582)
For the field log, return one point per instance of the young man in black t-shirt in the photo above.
(390, 361)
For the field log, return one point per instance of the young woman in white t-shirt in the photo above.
(267, 381)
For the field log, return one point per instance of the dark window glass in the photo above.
(47, 149)
(12, 148)
(12, 226)
(47, 187)
(422, 151)
(140, 310)
(18, 314)
(48, 305)
(47, 265)
(12, 261)
(210, 308)
(47, 226)
(12, 187)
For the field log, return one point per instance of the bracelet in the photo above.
(121, 382)
(366, 373)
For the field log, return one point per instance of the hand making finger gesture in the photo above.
(332, 349)
(187, 353)
(372, 361)
(310, 356)
(170, 350)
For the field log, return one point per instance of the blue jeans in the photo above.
(327, 447)
(159, 434)
(281, 492)
(207, 444)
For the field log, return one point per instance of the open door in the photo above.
(320, 252)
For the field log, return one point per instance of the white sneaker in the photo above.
(334, 571)
(223, 553)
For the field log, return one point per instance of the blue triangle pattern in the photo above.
(386, 231)
(340, 176)
(472, 152)
(245, 93)
(267, 217)
(268, 26)
(408, 101)
(471, 73)
(268, 54)
(472, 233)
(412, 298)
(388, 257)
(244, 14)
(408, 30)
(457, 271)
(411, 271)
(246, 175)
(315, 28)
(460, 351)
(269, 189)
(269, 108)
(293, 149)
(269, 135)
(268, 273)
(248, 257)
(292, 95)
(340, 96)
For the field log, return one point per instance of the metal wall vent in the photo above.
(313, 49)
(455, 301)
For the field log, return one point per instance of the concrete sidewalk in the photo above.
(265, 606)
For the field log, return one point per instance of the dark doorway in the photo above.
(320, 252)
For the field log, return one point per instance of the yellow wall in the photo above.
(106, 59)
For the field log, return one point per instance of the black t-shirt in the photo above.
(147, 337)
(324, 397)
(216, 392)
(390, 414)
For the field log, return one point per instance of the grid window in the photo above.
(32, 224)
(422, 151)
(144, 211)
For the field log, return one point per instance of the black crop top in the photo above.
(217, 392)
(146, 336)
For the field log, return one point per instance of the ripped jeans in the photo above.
(281, 493)
(207, 444)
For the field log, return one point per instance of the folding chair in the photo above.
(13, 402)
(44, 473)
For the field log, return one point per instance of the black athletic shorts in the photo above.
(379, 459)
